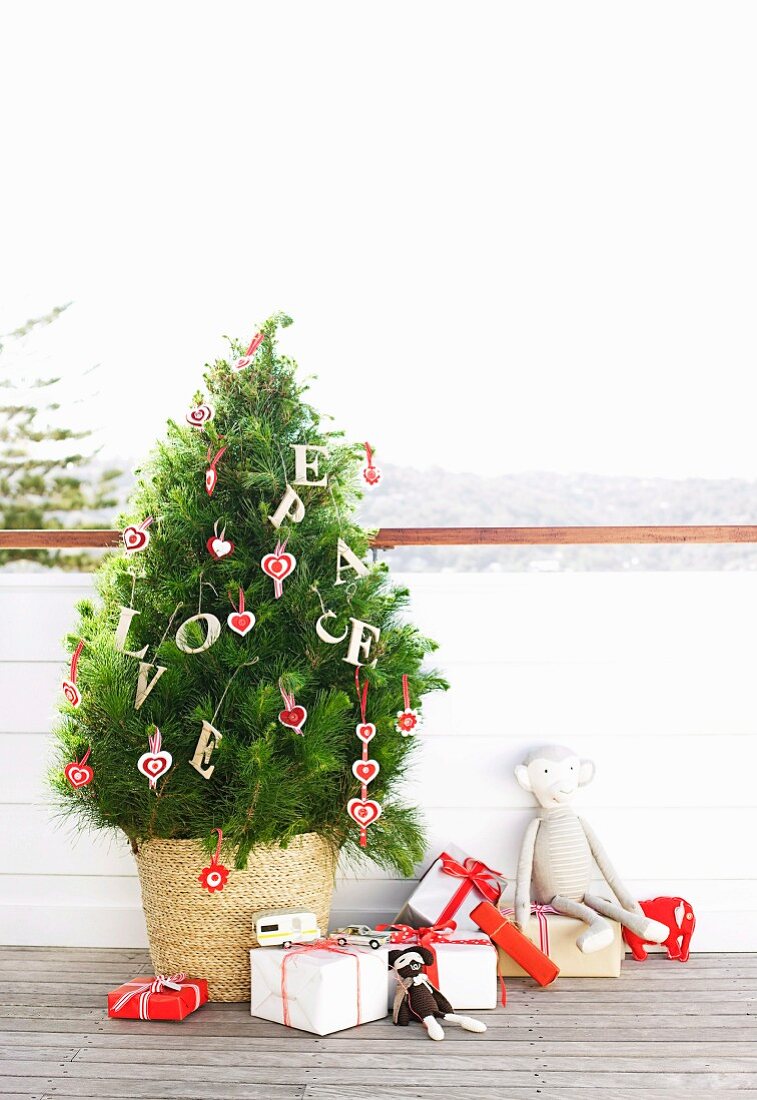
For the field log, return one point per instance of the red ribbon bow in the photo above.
(475, 875)
(145, 991)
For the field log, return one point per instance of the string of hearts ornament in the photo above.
(364, 810)
(78, 772)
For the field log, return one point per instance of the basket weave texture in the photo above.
(210, 935)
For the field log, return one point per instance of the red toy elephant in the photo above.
(666, 910)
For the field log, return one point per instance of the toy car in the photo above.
(360, 934)
(283, 927)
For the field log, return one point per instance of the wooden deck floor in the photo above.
(662, 1030)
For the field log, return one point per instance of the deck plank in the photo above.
(661, 1030)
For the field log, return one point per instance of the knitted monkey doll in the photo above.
(417, 999)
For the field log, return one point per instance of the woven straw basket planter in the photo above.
(210, 935)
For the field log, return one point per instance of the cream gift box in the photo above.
(316, 988)
(466, 973)
(556, 935)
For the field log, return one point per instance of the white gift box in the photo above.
(440, 896)
(467, 972)
(321, 987)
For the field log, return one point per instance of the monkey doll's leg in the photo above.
(639, 923)
(467, 1023)
(597, 935)
(433, 1027)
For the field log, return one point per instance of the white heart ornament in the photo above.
(241, 622)
(154, 764)
(200, 415)
(366, 731)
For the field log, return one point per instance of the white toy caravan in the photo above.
(283, 927)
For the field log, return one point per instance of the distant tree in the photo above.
(47, 479)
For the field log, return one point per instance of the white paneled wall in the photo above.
(649, 674)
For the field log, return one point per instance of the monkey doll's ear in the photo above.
(521, 774)
(426, 955)
(586, 773)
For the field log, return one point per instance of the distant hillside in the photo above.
(438, 498)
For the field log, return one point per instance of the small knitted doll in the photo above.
(417, 999)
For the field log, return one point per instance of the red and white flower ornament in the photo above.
(364, 810)
(240, 620)
(70, 690)
(293, 716)
(248, 358)
(136, 537)
(199, 416)
(211, 474)
(278, 565)
(408, 720)
(371, 474)
(218, 545)
(156, 762)
(214, 878)
(78, 772)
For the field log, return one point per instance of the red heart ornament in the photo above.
(78, 775)
(219, 548)
(365, 770)
(278, 566)
(241, 622)
(135, 539)
(200, 415)
(294, 718)
(154, 764)
(364, 811)
(366, 731)
(211, 480)
(71, 693)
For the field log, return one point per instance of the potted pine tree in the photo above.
(218, 683)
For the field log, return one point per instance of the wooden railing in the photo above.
(389, 537)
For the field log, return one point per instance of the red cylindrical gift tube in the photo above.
(512, 941)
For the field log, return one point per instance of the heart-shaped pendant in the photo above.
(154, 764)
(135, 539)
(219, 547)
(248, 358)
(278, 565)
(78, 775)
(366, 731)
(71, 693)
(363, 811)
(200, 415)
(211, 480)
(365, 770)
(241, 622)
(294, 717)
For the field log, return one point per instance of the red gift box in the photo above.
(504, 933)
(157, 998)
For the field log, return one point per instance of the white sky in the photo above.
(512, 236)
